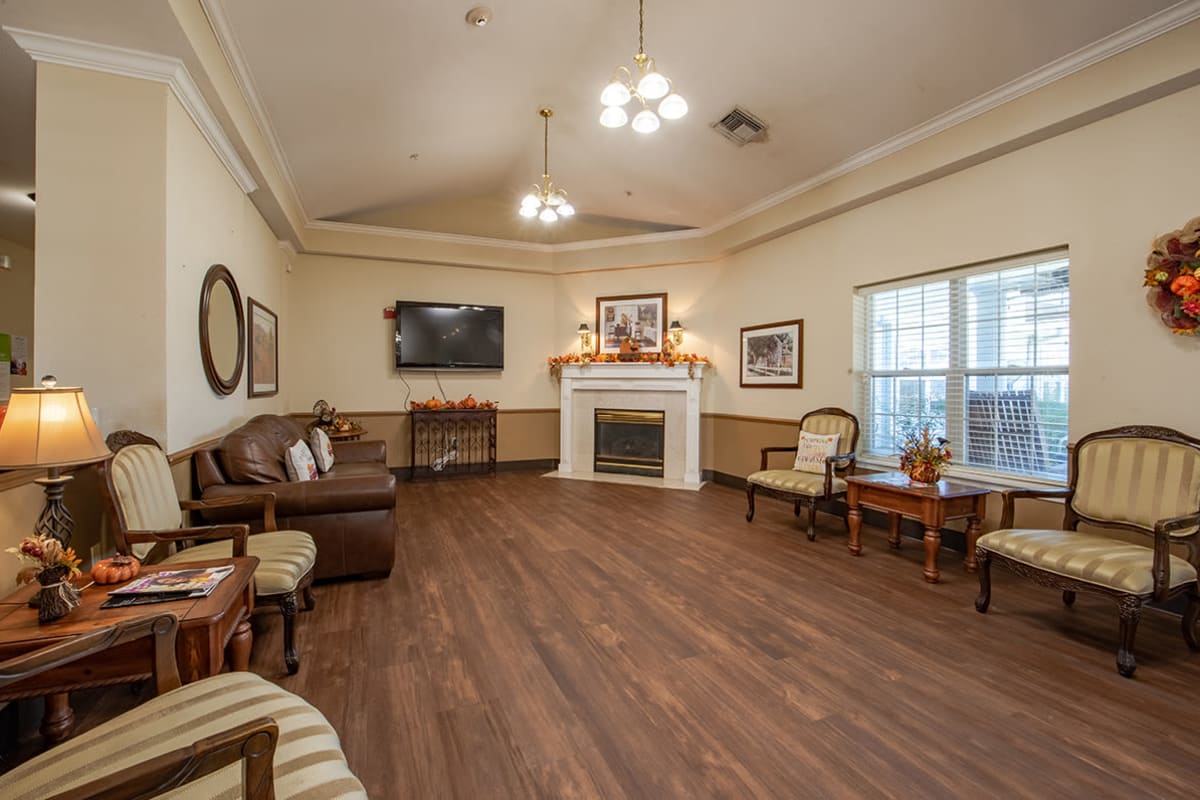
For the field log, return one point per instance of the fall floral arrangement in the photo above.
(53, 566)
(467, 403)
(923, 456)
(1173, 275)
(666, 359)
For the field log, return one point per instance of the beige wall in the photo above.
(211, 221)
(16, 302)
(342, 349)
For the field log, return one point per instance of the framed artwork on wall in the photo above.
(773, 355)
(264, 350)
(631, 323)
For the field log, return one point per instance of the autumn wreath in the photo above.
(1173, 275)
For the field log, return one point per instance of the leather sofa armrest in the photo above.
(302, 498)
(359, 452)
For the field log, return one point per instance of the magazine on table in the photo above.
(198, 582)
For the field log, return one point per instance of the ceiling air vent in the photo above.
(741, 127)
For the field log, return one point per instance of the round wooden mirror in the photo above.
(222, 330)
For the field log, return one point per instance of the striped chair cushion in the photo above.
(284, 557)
(832, 423)
(1137, 481)
(145, 491)
(309, 762)
(790, 480)
(1086, 557)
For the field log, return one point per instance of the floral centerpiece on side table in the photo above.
(1173, 275)
(54, 567)
(923, 457)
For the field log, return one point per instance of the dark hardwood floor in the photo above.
(552, 638)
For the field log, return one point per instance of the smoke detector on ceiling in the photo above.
(479, 16)
(741, 127)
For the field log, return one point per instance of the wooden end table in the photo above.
(209, 628)
(932, 505)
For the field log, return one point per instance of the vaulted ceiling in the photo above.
(399, 113)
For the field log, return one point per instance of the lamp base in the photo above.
(55, 519)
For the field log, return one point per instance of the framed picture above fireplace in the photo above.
(632, 323)
(773, 355)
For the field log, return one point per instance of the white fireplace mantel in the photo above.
(671, 389)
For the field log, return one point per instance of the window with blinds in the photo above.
(980, 355)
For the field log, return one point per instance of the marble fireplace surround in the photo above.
(644, 387)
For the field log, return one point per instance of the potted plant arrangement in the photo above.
(923, 457)
(54, 567)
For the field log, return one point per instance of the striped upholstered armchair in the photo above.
(821, 479)
(1141, 479)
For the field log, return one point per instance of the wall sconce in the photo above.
(676, 331)
(585, 337)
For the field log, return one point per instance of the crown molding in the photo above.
(428, 236)
(1163, 22)
(128, 63)
(218, 20)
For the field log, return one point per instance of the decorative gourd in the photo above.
(117, 569)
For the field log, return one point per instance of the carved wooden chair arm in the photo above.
(161, 626)
(238, 533)
(830, 465)
(267, 499)
(252, 742)
(1012, 495)
(767, 450)
(1162, 550)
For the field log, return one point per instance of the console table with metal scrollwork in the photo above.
(453, 443)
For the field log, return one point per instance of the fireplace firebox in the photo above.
(629, 442)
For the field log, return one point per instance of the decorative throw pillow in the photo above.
(300, 463)
(813, 449)
(322, 449)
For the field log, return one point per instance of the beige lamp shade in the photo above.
(49, 427)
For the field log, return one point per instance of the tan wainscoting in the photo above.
(522, 434)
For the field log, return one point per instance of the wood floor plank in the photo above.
(567, 639)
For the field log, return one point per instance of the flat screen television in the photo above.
(449, 336)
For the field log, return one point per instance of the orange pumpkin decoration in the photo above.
(433, 404)
(117, 569)
(469, 402)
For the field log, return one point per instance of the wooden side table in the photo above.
(210, 628)
(931, 505)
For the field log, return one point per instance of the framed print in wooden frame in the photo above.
(773, 355)
(631, 318)
(264, 349)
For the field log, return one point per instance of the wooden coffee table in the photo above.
(209, 628)
(932, 505)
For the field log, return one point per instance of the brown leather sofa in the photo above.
(349, 511)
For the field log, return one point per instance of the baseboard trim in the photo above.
(527, 465)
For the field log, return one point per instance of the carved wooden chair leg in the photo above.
(310, 600)
(1191, 615)
(1131, 613)
(287, 607)
(984, 599)
(797, 506)
(812, 520)
(750, 502)
(1068, 598)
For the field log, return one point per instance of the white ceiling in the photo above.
(351, 89)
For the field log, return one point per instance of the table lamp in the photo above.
(50, 428)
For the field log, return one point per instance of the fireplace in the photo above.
(629, 441)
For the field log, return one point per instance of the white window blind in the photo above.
(980, 355)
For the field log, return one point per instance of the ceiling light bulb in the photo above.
(556, 198)
(548, 215)
(530, 201)
(528, 211)
(673, 106)
(566, 210)
(653, 86)
(646, 121)
(615, 94)
(613, 117)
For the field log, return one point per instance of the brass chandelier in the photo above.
(547, 202)
(651, 85)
